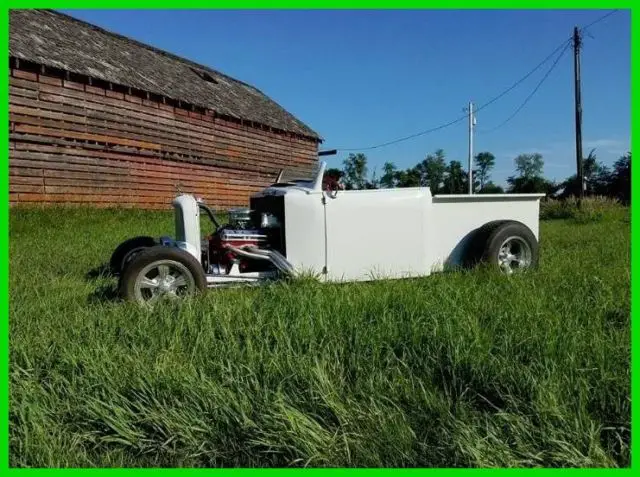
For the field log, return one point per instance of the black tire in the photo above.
(478, 243)
(179, 259)
(124, 252)
(521, 239)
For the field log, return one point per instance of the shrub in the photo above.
(593, 209)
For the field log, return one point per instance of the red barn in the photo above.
(98, 118)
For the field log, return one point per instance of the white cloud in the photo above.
(608, 146)
(603, 143)
(566, 151)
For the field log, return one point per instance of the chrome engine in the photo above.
(240, 218)
(241, 243)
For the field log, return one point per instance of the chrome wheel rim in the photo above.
(514, 255)
(163, 279)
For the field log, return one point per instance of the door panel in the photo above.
(376, 234)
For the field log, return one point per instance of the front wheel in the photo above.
(161, 273)
(512, 247)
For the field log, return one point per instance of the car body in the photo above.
(297, 227)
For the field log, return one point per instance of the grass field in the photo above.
(454, 370)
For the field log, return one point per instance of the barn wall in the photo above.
(77, 143)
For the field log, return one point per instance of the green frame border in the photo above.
(300, 4)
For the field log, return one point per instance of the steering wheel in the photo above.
(332, 186)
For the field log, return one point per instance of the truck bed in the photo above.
(455, 218)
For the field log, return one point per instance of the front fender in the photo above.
(187, 247)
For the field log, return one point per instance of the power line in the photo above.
(544, 78)
(457, 120)
(531, 95)
(521, 80)
(562, 45)
(598, 20)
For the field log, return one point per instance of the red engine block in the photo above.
(218, 246)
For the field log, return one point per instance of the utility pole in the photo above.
(470, 147)
(578, 107)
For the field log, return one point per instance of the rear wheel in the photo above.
(161, 273)
(128, 249)
(512, 247)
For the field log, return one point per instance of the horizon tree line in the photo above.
(450, 177)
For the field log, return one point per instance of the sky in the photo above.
(363, 78)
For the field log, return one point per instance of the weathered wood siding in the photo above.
(73, 142)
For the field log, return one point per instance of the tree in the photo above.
(373, 183)
(455, 179)
(590, 165)
(529, 165)
(621, 179)
(596, 175)
(484, 163)
(465, 181)
(600, 180)
(530, 185)
(389, 179)
(432, 170)
(355, 171)
(491, 188)
(530, 180)
(408, 178)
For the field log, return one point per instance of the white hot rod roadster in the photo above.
(300, 227)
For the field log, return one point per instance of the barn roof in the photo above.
(57, 40)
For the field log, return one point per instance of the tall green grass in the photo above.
(453, 370)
